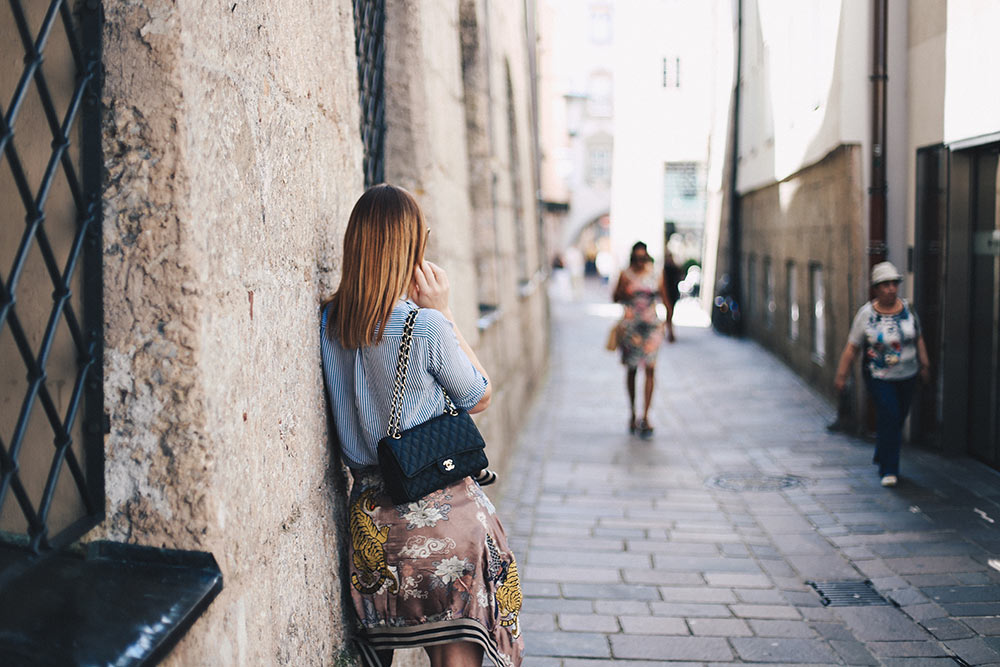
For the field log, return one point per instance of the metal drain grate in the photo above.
(848, 594)
(749, 481)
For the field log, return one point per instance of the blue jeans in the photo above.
(892, 400)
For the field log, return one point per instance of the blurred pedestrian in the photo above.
(888, 329)
(671, 292)
(573, 258)
(641, 330)
(604, 263)
(435, 573)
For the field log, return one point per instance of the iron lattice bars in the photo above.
(369, 31)
(68, 245)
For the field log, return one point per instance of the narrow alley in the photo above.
(698, 546)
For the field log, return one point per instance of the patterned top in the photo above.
(890, 341)
(360, 382)
(642, 290)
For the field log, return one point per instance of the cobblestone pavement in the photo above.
(696, 547)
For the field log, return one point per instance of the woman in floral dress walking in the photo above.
(642, 331)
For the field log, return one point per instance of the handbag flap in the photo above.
(436, 440)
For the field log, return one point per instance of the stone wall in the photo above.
(460, 138)
(233, 157)
(232, 160)
(813, 217)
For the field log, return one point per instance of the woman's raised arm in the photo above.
(431, 289)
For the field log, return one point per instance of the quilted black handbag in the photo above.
(432, 455)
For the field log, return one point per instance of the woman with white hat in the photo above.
(895, 354)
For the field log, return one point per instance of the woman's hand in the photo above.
(430, 287)
(844, 366)
(925, 362)
(620, 294)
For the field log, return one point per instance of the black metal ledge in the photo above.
(105, 604)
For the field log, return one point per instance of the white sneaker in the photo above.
(889, 480)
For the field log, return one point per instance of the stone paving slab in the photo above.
(762, 649)
(637, 551)
(568, 644)
(631, 647)
(646, 625)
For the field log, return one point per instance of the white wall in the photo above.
(897, 134)
(805, 84)
(925, 92)
(653, 124)
(724, 69)
(972, 85)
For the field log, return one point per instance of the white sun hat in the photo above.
(885, 272)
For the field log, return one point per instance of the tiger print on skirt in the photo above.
(432, 571)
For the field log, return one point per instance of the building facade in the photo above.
(953, 221)
(186, 196)
(868, 136)
(665, 68)
(579, 108)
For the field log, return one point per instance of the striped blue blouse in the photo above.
(360, 382)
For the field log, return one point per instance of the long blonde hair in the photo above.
(384, 241)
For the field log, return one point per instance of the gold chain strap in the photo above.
(402, 363)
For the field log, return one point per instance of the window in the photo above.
(369, 27)
(51, 330)
(684, 193)
(681, 181)
(671, 72)
(793, 303)
(818, 315)
(599, 95)
(600, 24)
(770, 305)
(599, 164)
(52, 420)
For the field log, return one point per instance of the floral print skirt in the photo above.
(433, 571)
(640, 342)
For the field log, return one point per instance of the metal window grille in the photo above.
(369, 31)
(770, 300)
(818, 314)
(672, 72)
(51, 412)
(792, 290)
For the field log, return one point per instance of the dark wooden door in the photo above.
(984, 335)
(928, 271)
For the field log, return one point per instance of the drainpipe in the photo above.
(877, 249)
(734, 194)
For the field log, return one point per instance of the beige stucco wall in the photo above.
(232, 160)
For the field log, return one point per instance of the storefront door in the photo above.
(984, 342)
(928, 289)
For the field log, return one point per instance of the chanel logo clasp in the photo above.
(448, 465)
